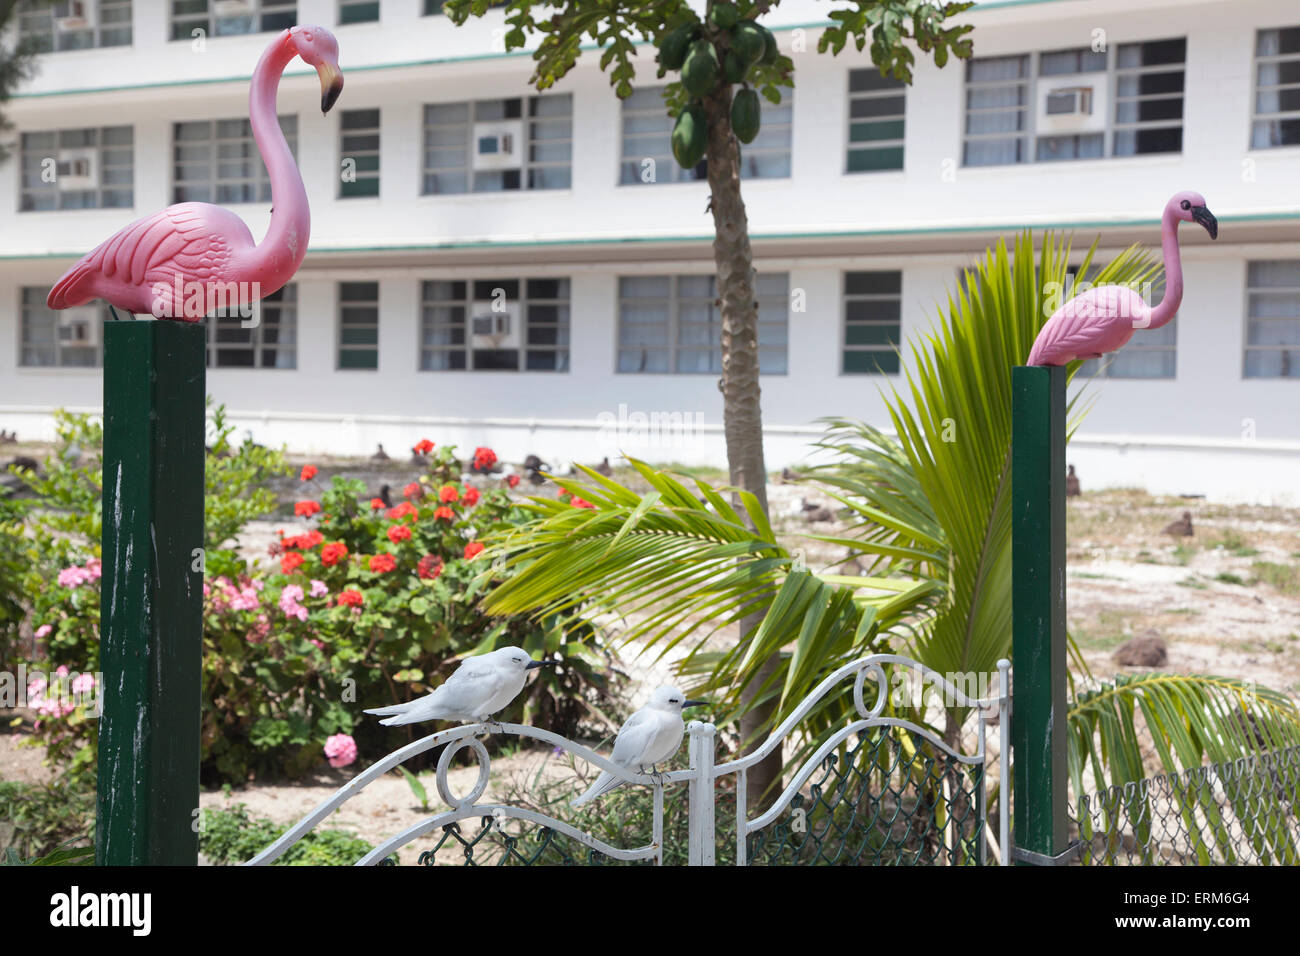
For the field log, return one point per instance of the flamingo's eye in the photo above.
(1186, 204)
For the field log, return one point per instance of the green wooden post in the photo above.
(152, 593)
(1038, 724)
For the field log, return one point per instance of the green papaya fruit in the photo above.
(672, 52)
(745, 115)
(700, 69)
(690, 137)
(724, 15)
(770, 49)
(733, 68)
(747, 40)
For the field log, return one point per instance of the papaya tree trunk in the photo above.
(741, 411)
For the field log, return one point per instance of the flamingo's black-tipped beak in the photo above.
(536, 664)
(1206, 218)
(331, 84)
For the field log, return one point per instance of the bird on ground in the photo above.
(1182, 528)
(603, 468)
(648, 737)
(789, 477)
(385, 495)
(1071, 483)
(8, 438)
(379, 455)
(533, 467)
(476, 690)
(1103, 318)
(193, 258)
(814, 511)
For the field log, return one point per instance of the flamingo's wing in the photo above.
(181, 239)
(1094, 322)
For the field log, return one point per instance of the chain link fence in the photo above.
(1244, 812)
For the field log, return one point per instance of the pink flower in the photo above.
(260, 630)
(341, 750)
(43, 632)
(83, 683)
(289, 598)
(318, 588)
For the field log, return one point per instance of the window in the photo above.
(358, 11)
(495, 145)
(68, 337)
(359, 142)
(877, 114)
(271, 343)
(78, 169)
(432, 7)
(1277, 89)
(1149, 98)
(488, 325)
(670, 324)
(873, 306)
(1273, 319)
(231, 17)
(218, 161)
(1053, 106)
(90, 23)
(647, 128)
(359, 325)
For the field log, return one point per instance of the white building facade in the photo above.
(442, 184)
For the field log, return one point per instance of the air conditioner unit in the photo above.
(72, 15)
(498, 145)
(79, 327)
(1072, 104)
(494, 328)
(232, 8)
(77, 169)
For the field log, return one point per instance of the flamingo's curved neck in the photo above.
(1173, 296)
(282, 249)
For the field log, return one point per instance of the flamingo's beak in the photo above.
(331, 84)
(1206, 218)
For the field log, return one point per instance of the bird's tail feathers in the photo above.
(67, 292)
(603, 785)
(392, 709)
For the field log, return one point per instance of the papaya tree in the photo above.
(16, 64)
(725, 59)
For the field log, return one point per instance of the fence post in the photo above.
(151, 593)
(701, 848)
(1038, 725)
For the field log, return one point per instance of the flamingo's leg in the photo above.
(114, 311)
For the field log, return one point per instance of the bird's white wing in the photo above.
(469, 688)
(634, 739)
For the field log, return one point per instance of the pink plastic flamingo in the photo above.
(193, 258)
(1103, 318)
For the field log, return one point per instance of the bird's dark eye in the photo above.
(1186, 204)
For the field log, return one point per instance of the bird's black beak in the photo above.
(331, 84)
(533, 665)
(1206, 218)
(693, 703)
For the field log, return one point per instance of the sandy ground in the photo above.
(1226, 601)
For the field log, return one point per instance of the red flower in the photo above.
(402, 510)
(291, 562)
(351, 598)
(484, 459)
(333, 552)
(413, 490)
(471, 496)
(305, 509)
(398, 533)
(377, 503)
(308, 473)
(382, 563)
(430, 567)
(580, 502)
(444, 512)
(311, 538)
(473, 549)
(448, 493)
(512, 480)
(423, 447)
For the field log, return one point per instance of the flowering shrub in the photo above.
(359, 607)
